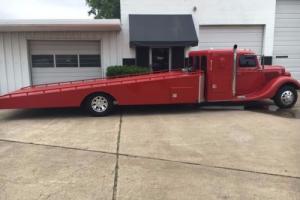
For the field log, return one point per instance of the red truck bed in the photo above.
(155, 88)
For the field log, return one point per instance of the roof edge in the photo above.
(60, 25)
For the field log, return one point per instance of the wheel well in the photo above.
(290, 84)
(85, 98)
(286, 84)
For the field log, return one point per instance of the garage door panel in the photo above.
(53, 76)
(257, 50)
(289, 62)
(286, 6)
(57, 75)
(293, 29)
(288, 9)
(287, 43)
(72, 73)
(227, 38)
(40, 81)
(286, 52)
(69, 47)
(287, 35)
(282, 23)
(65, 70)
(291, 35)
(288, 15)
(41, 75)
(250, 37)
(231, 29)
(231, 43)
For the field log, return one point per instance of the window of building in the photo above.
(42, 61)
(89, 60)
(66, 60)
(177, 57)
(142, 56)
(248, 61)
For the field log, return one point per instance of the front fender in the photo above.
(271, 88)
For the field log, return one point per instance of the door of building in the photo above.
(160, 59)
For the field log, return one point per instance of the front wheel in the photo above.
(99, 105)
(286, 97)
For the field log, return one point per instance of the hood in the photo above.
(273, 71)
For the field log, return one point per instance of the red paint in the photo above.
(174, 87)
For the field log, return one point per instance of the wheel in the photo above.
(99, 105)
(286, 97)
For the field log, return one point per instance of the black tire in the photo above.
(99, 105)
(286, 97)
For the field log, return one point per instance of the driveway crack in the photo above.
(115, 188)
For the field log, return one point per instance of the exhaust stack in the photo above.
(234, 69)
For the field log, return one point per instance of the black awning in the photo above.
(162, 30)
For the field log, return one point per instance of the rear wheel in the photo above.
(286, 97)
(99, 105)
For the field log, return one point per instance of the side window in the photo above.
(191, 61)
(196, 63)
(204, 63)
(248, 61)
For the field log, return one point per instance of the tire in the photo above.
(286, 97)
(99, 105)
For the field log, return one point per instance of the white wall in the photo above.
(209, 12)
(14, 70)
(14, 61)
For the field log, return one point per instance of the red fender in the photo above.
(271, 88)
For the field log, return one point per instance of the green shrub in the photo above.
(125, 70)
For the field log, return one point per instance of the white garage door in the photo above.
(250, 37)
(287, 36)
(60, 61)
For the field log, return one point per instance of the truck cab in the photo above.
(237, 75)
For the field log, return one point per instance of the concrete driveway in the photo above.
(162, 152)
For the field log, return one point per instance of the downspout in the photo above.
(234, 70)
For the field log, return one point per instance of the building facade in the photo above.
(155, 33)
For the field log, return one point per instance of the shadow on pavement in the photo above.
(269, 108)
(266, 107)
(45, 114)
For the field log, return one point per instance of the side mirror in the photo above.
(263, 61)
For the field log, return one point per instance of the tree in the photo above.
(104, 9)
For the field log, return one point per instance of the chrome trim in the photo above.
(234, 71)
(201, 97)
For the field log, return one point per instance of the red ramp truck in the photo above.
(213, 76)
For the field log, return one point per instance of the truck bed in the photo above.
(155, 88)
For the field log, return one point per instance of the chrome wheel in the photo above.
(99, 104)
(287, 98)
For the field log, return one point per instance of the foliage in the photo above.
(125, 70)
(104, 9)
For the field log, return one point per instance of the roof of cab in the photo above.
(209, 51)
